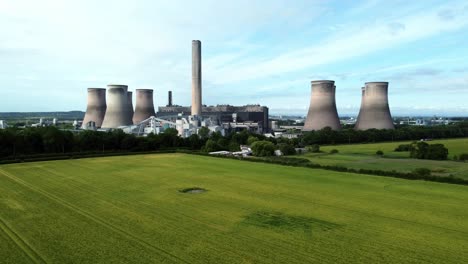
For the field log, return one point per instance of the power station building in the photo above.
(375, 111)
(251, 117)
(322, 109)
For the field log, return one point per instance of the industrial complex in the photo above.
(112, 108)
(116, 111)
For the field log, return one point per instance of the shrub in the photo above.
(286, 149)
(463, 157)
(334, 151)
(314, 148)
(263, 148)
(403, 147)
(422, 150)
(424, 172)
(379, 153)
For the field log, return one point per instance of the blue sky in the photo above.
(254, 51)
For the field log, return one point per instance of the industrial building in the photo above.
(375, 111)
(231, 118)
(322, 109)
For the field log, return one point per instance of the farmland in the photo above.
(130, 209)
(362, 156)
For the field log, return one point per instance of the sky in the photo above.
(253, 52)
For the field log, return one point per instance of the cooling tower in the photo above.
(96, 108)
(144, 108)
(322, 110)
(196, 78)
(130, 106)
(118, 110)
(375, 112)
(363, 91)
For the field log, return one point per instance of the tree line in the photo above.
(49, 140)
(327, 136)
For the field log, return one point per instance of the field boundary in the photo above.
(305, 163)
(284, 161)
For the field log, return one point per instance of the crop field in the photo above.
(362, 156)
(130, 209)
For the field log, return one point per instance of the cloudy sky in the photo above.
(254, 51)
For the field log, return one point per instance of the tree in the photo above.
(314, 148)
(251, 140)
(263, 148)
(204, 132)
(286, 149)
(210, 146)
(422, 150)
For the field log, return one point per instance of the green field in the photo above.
(455, 147)
(129, 209)
(362, 156)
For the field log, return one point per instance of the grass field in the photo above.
(455, 146)
(362, 156)
(129, 209)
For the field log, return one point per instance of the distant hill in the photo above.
(70, 115)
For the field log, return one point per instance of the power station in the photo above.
(116, 111)
(322, 110)
(375, 111)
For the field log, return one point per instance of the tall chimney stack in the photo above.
(169, 98)
(196, 78)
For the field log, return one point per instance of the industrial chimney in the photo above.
(117, 113)
(196, 78)
(322, 110)
(96, 108)
(375, 112)
(144, 108)
(169, 98)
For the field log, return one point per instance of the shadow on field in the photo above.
(278, 220)
(193, 190)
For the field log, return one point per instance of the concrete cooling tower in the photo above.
(375, 112)
(96, 108)
(144, 108)
(363, 91)
(322, 110)
(130, 106)
(118, 110)
(196, 78)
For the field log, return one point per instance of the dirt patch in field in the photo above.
(278, 220)
(193, 190)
